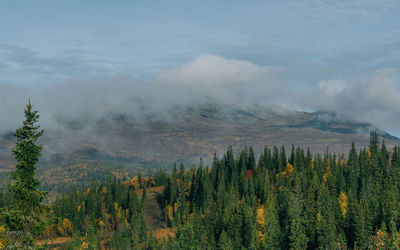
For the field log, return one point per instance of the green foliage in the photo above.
(308, 202)
(278, 202)
(24, 186)
(24, 217)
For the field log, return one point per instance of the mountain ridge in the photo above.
(188, 133)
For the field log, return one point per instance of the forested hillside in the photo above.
(282, 201)
(288, 202)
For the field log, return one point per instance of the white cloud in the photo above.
(332, 87)
(373, 98)
(214, 70)
(227, 80)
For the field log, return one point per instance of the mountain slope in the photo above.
(188, 133)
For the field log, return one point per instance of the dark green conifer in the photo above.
(24, 220)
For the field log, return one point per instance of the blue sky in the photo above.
(317, 45)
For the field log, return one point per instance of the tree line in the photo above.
(295, 200)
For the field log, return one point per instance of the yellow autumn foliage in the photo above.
(288, 170)
(60, 228)
(261, 216)
(84, 245)
(67, 226)
(115, 206)
(169, 211)
(319, 217)
(260, 236)
(3, 240)
(325, 177)
(343, 203)
(134, 182)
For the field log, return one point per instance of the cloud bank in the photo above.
(373, 98)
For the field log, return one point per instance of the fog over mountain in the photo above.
(199, 108)
(208, 79)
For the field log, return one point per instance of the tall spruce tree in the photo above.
(23, 219)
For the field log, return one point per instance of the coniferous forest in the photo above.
(278, 200)
(199, 125)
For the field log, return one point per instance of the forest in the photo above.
(277, 200)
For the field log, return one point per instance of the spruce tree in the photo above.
(23, 218)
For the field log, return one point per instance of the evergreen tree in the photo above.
(24, 219)
(373, 142)
(272, 229)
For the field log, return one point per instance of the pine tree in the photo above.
(23, 219)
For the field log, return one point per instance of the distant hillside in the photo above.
(188, 133)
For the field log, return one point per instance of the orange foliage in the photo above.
(379, 239)
(163, 233)
(2, 237)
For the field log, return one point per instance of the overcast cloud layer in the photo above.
(79, 60)
(370, 97)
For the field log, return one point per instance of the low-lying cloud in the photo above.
(373, 98)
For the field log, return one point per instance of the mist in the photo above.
(208, 79)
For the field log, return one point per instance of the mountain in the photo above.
(190, 132)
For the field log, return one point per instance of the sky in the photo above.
(341, 56)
